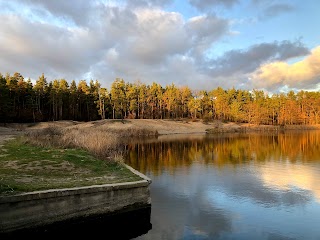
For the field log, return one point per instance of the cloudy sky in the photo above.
(272, 45)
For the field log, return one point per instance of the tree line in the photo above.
(23, 101)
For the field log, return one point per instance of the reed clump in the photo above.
(106, 143)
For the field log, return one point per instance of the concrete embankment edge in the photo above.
(42, 208)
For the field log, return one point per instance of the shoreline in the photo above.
(162, 126)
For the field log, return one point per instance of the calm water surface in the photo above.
(236, 186)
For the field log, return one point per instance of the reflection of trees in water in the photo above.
(224, 149)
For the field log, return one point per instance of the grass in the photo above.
(25, 167)
(64, 157)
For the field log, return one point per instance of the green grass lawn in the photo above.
(26, 168)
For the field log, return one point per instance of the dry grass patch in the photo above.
(103, 142)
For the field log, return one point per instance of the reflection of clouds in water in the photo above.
(183, 186)
(267, 222)
(212, 203)
(183, 214)
(260, 199)
(243, 182)
(295, 177)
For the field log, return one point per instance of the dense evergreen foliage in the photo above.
(22, 101)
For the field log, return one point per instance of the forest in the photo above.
(23, 101)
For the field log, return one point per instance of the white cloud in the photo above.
(277, 9)
(204, 5)
(205, 31)
(105, 41)
(246, 61)
(302, 74)
(148, 3)
(267, 9)
(159, 35)
(129, 39)
(34, 47)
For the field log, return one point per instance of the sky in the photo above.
(272, 45)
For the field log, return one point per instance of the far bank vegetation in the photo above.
(23, 101)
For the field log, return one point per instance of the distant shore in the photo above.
(163, 127)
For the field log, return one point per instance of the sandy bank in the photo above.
(164, 127)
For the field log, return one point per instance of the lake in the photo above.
(232, 186)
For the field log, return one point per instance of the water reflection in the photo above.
(295, 177)
(237, 186)
(168, 153)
